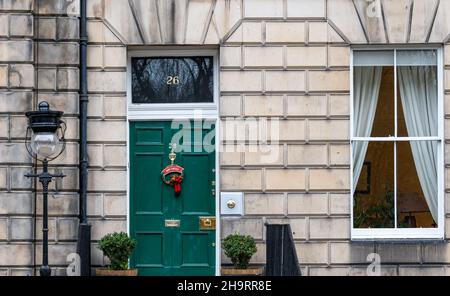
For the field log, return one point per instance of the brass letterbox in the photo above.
(172, 223)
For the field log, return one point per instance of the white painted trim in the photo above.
(403, 233)
(218, 221)
(396, 135)
(128, 176)
(167, 112)
(351, 143)
(441, 134)
(395, 233)
(393, 139)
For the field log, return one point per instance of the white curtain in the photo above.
(418, 90)
(366, 89)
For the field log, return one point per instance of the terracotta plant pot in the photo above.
(110, 272)
(250, 271)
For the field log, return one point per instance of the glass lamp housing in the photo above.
(45, 141)
(44, 145)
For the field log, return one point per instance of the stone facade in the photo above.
(283, 59)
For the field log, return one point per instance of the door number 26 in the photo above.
(173, 80)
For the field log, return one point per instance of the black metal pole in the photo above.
(84, 232)
(83, 113)
(45, 179)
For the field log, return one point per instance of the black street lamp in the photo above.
(47, 143)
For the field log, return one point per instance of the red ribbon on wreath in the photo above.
(173, 175)
(175, 181)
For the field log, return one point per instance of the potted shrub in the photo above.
(240, 249)
(118, 247)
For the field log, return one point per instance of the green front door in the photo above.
(167, 228)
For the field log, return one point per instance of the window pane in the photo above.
(416, 184)
(417, 101)
(172, 80)
(373, 58)
(374, 192)
(383, 124)
(416, 58)
(373, 102)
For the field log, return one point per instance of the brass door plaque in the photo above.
(172, 223)
(207, 223)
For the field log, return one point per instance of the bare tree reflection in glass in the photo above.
(172, 80)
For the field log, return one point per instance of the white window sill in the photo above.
(371, 234)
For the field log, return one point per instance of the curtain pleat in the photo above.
(419, 98)
(367, 81)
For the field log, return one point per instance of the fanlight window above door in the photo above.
(163, 80)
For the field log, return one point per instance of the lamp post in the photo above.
(47, 143)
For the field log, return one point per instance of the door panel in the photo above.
(154, 258)
(196, 188)
(154, 189)
(162, 250)
(195, 249)
(149, 136)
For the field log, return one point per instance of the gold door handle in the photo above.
(207, 222)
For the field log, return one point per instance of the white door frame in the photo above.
(168, 112)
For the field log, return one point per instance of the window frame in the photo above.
(173, 110)
(402, 233)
